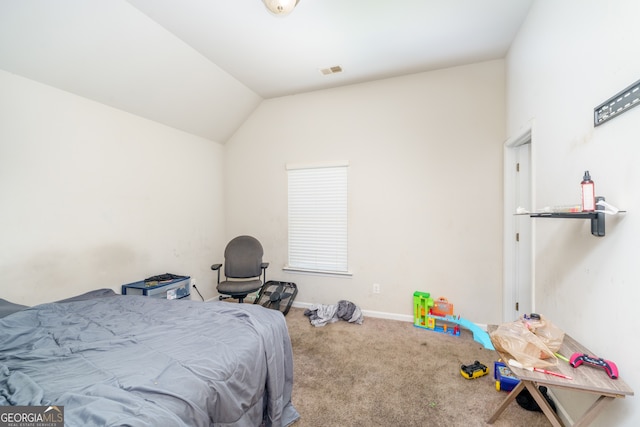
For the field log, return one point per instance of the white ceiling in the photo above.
(203, 66)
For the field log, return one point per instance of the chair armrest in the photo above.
(264, 266)
(216, 267)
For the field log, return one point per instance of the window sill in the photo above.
(297, 270)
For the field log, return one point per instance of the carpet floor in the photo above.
(390, 373)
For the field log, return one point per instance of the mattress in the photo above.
(139, 361)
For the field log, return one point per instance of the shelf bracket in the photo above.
(597, 222)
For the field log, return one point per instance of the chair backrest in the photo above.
(243, 258)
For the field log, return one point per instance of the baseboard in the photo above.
(390, 316)
(370, 313)
(561, 410)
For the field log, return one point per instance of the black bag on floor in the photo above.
(277, 295)
(527, 401)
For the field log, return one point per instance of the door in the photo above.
(522, 288)
(518, 290)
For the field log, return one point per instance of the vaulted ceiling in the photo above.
(203, 66)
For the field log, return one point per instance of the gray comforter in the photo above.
(140, 361)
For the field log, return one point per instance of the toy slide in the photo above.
(479, 334)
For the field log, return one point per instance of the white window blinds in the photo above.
(318, 218)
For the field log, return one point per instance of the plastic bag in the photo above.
(550, 334)
(523, 345)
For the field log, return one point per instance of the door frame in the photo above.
(523, 136)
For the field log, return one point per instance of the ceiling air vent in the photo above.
(331, 70)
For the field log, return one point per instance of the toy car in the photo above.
(475, 370)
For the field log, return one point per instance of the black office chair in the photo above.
(243, 267)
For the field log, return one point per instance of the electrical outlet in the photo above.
(376, 288)
(193, 282)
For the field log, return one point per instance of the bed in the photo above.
(114, 360)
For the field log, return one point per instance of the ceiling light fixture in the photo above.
(280, 7)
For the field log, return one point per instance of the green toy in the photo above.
(422, 303)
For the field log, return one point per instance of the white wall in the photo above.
(94, 197)
(570, 56)
(425, 186)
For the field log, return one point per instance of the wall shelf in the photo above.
(596, 218)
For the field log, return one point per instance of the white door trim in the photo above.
(523, 136)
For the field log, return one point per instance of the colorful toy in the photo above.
(475, 370)
(423, 317)
(610, 368)
(422, 303)
(442, 307)
(505, 380)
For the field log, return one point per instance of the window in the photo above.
(318, 218)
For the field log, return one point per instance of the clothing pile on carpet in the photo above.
(321, 314)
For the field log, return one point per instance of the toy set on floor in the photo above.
(434, 315)
(437, 315)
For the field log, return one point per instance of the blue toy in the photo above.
(505, 380)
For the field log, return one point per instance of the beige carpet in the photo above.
(390, 373)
